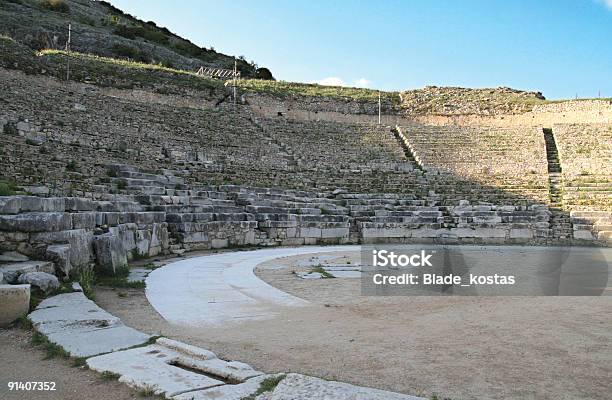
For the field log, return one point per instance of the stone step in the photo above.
(11, 271)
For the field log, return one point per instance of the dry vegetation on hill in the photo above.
(102, 29)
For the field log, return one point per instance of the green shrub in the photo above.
(121, 50)
(7, 188)
(146, 32)
(10, 128)
(72, 166)
(55, 5)
(87, 280)
(264, 73)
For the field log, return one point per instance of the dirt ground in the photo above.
(22, 362)
(456, 347)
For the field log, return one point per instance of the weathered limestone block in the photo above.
(296, 386)
(126, 232)
(159, 238)
(79, 204)
(143, 242)
(584, 235)
(42, 280)
(84, 220)
(335, 233)
(12, 271)
(110, 253)
(10, 204)
(80, 241)
(14, 302)
(521, 233)
(42, 204)
(12, 256)
(36, 222)
(60, 255)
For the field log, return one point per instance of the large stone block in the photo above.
(14, 302)
(42, 280)
(12, 271)
(83, 329)
(80, 241)
(60, 255)
(110, 253)
(84, 220)
(36, 222)
(10, 204)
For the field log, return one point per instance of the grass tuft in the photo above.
(110, 376)
(321, 270)
(52, 350)
(267, 385)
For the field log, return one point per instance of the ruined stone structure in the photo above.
(118, 173)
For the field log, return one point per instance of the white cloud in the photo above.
(364, 83)
(330, 81)
(607, 3)
(336, 81)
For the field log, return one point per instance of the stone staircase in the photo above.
(560, 220)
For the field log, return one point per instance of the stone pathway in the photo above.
(222, 288)
(174, 369)
(83, 329)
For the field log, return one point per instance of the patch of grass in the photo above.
(87, 280)
(36, 296)
(147, 391)
(283, 89)
(150, 266)
(267, 385)
(52, 350)
(10, 128)
(107, 71)
(79, 362)
(119, 280)
(24, 322)
(72, 166)
(8, 188)
(110, 376)
(321, 270)
(435, 397)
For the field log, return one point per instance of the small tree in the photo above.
(55, 5)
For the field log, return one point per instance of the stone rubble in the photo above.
(42, 280)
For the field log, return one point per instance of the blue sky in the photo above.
(559, 47)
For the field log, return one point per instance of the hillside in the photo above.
(101, 29)
(433, 100)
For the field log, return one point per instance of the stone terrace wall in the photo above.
(317, 108)
(546, 115)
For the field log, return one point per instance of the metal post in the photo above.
(379, 108)
(68, 49)
(235, 70)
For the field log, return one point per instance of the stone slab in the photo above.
(170, 368)
(296, 386)
(226, 392)
(83, 329)
(14, 302)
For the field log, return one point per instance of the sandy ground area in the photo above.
(457, 347)
(22, 362)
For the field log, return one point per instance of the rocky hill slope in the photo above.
(102, 29)
(434, 100)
